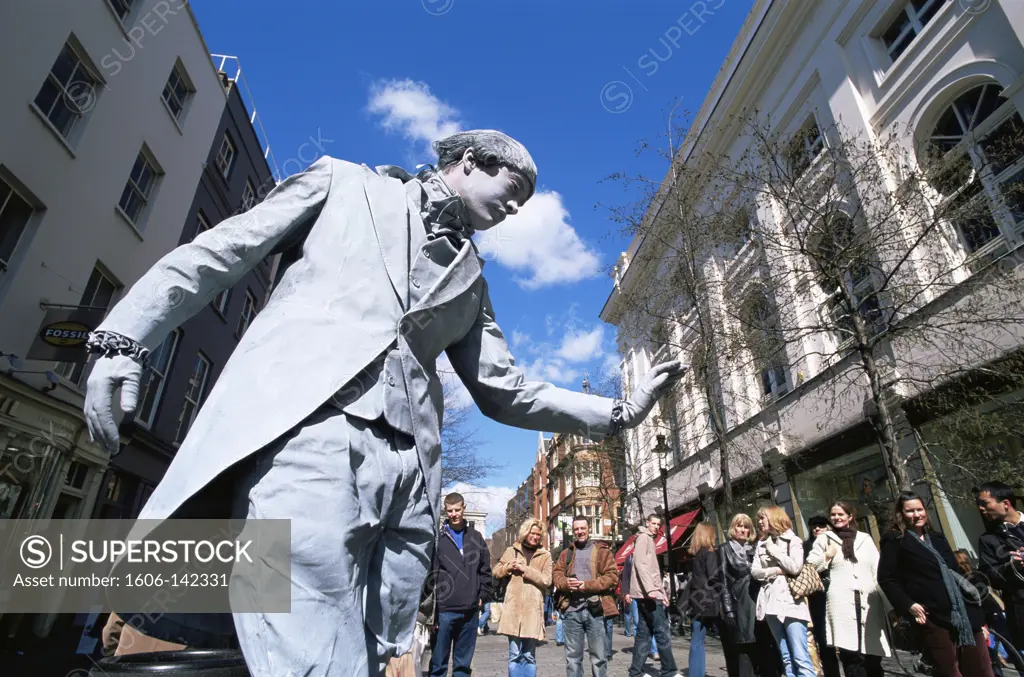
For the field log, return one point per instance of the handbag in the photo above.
(805, 583)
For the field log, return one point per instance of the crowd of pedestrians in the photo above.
(778, 605)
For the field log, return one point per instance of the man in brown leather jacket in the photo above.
(585, 578)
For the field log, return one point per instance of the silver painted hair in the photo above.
(490, 148)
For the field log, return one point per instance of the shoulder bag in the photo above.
(805, 583)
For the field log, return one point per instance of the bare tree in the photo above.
(678, 311)
(460, 444)
(870, 264)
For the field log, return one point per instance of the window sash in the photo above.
(122, 8)
(157, 370)
(15, 214)
(225, 156)
(176, 93)
(193, 397)
(138, 188)
(62, 106)
(99, 293)
(248, 196)
(248, 313)
(912, 19)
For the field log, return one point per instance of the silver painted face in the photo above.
(490, 193)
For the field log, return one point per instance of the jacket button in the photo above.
(415, 283)
(391, 380)
(426, 253)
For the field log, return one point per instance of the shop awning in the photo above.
(678, 525)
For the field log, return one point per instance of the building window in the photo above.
(804, 147)
(248, 313)
(906, 26)
(122, 8)
(765, 342)
(15, 213)
(68, 93)
(226, 156)
(177, 92)
(155, 378)
(193, 396)
(220, 301)
(976, 162)
(588, 474)
(76, 475)
(138, 188)
(844, 273)
(248, 196)
(99, 293)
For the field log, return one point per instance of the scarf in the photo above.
(739, 556)
(529, 552)
(849, 535)
(442, 210)
(961, 623)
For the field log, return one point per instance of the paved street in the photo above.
(491, 658)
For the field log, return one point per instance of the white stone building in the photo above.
(874, 66)
(109, 110)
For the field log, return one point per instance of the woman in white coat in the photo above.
(779, 555)
(854, 604)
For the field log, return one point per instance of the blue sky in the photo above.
(580, 83)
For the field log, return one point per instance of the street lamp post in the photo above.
(661, 449)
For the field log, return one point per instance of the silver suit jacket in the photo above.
(348, 235)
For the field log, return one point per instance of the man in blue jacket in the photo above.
(462, 585)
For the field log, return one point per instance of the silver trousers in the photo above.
(362, 537)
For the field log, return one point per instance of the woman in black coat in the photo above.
(703, 594)
(916, 572)
(739, 601)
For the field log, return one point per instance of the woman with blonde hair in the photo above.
(528, 565)
(702, 599)
(854, 605)
(778, 556)
(738, 614)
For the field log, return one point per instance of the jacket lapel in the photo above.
(457, 278)
(386, 199)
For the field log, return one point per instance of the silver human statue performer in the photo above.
(329, 411)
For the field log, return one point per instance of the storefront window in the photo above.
(22, 457)
(859, 478)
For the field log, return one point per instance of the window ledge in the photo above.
(914, 49)
(128, 220)
(117, 19)
(177, 123)
(53, 130)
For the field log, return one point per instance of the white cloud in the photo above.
(553, 370)
(491, 500)
(540, 245)
(409, 108)
(582, 346)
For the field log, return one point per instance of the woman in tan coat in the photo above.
(522, 615)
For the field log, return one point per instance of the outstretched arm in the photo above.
(483, 362)
(184, 281)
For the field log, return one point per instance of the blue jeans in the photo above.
(580, 625)
(609, 626)
(522, 657)
(455, 630)
(629, 618)
(652, 623)
(698, 662)
(484, 616)
(791, 636)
